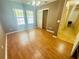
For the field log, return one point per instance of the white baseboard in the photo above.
(6, 48)
(14, 32)
(50, 31)
(54, 36)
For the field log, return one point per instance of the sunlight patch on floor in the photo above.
(61, 48)
(24, 38)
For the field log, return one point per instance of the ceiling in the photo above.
(42, 2)
(39, 0)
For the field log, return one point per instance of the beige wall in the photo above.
(2, 43)
(54, 14)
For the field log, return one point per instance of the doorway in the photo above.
(45, 15)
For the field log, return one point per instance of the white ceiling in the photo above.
(42, 1)
(45, 1)
(38, 0)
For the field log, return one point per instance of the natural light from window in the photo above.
(20, 16)
(30, 17)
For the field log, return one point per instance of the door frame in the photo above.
(42, 17)
(76, 44)
(47, 16)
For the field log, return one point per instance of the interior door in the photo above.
(45, 14)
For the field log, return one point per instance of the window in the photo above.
(20, 16)
(30, 17)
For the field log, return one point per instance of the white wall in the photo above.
(39, 18)
(72, 17)
(2, 42)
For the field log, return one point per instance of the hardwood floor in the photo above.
(37, 44)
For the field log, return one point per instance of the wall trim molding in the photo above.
(12, 32)
(6, 47)
(54, 36)
(45, 9)
(50, 31)
(42, 17)
(15, 32)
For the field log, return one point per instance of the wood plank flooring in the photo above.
(37, 44)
